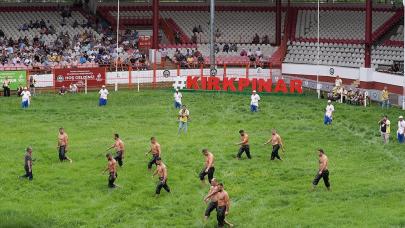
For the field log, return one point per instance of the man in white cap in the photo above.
(26, 98)
(177, 99)
(103, 96)
(254, 101)
(401, 129)
(328, 113)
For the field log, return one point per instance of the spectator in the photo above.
(6, 87)
(385, 98)
(217, 34)
(32, 82)
(338, 82)
(265, 39)
(225, 48)
(216, 48)
(200, 29)
(19, 90)
(401, 129)
(200, 59)
(73, 88)
(256, 39)
(62, 90)
(385, 129)
(243, 52)
(258, 53)
(195, 29)
(197, 53)
(233, 47)
(329, 113)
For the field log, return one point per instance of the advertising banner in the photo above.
(64, 77)
(16, 77)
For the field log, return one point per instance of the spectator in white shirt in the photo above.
(258, 53)
(329, 113)
(26, 98)
(103, 96)
(177, 99)
(338, 82)
(401, 128)
(73, 88)
(254, 101)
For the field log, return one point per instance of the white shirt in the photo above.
(103, 93)
(338, 82)
(255, 100)
(401, 127)
(25, 95)
(177, 97)
(329, 110)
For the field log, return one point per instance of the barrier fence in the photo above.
(94, 78)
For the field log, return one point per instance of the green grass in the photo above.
(367, 177)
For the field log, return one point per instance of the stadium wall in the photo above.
(369, 79)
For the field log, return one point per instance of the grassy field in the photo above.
(367, 177)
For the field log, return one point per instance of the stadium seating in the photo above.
(11, 21)
(337, 24)
(332, 54)
(386, 55)
(245, 24)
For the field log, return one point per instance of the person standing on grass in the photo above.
(119, 148)
(385, 98)
(161, 170)
(385, 129)
(155, 151)
(213, 203)
(223, 205)
(103, 96)
(184, 116)
(25, 98)
(28, 164)
(177, 99)
(6, 87)
(254, 101)
(112, 169)
(323, 172)
(277, 143)
(209, 168)
(63, 145)
(401, 129)
(244, 145)
(32, 82)
(329, 113)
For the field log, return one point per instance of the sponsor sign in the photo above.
(16, 77)
(64, 77)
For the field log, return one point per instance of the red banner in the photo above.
(64, 77)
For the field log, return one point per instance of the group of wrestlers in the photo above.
(217, 198)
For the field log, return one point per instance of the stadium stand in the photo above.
(337, 24)
(332, 54)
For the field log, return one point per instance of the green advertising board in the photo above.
(16, 77)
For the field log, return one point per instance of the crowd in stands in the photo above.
(189, 59)
(197, 30)
(96, 46)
